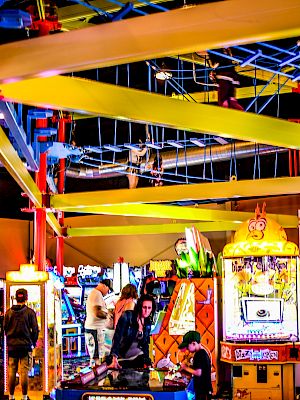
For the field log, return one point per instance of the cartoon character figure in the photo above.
(258, 224)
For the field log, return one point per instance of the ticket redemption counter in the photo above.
(44, 299)
(260, 314)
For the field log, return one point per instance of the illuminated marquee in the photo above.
(119, 396)
(27, 273)
(160, 267)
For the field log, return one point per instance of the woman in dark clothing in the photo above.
(130, 346)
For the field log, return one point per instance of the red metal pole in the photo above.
(40, 213)
(61, 188)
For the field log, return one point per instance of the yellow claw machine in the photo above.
(44, 299)
(261, 310)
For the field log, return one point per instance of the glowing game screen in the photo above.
(260, 299)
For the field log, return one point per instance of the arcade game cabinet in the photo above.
(260, 314)
(44, 299)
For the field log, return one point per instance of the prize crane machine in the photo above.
(44, 299)
(260, 314)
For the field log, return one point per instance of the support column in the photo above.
(61, 188)
(40, 213)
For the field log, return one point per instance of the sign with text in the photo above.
(160, 267)
(115, 396)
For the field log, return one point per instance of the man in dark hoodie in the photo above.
(21, 329)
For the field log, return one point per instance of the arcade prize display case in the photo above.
(44, 299)
(260, 312)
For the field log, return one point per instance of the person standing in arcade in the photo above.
(21, 329)
(127, 301)
(130, 345)
(201, 367)
(96, 319)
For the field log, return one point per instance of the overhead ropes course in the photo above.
(179, 151)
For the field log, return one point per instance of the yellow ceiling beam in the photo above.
(14, 165)
(151, 229)
(184, 213)
(127, 104)
(11, 161)
(185, 30)
(203, 191)
(241, 93)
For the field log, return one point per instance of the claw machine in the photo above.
(261, 310)
(44, 299)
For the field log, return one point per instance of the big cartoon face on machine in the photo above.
(260, 283)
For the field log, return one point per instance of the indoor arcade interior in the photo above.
(153, 143)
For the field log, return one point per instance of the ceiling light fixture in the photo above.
(163, 75)
(197, 142)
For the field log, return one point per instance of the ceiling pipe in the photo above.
(173, 159)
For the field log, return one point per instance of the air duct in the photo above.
(173, 159)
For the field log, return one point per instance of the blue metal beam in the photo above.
(18, 134)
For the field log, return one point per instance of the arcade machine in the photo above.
(260, 313)
(186, 301)
(44, 299)
(126, 384)
(1, 337)
(73, 314)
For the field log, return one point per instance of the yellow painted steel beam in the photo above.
(123, 103)
(11, 161)
(14, 165)
(181, 31)
(185, 213)
(241, 93)
(78, 202)
(151, 229)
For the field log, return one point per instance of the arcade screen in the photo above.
(260, 299)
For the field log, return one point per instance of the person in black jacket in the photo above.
(130, 346)
(21, 329)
